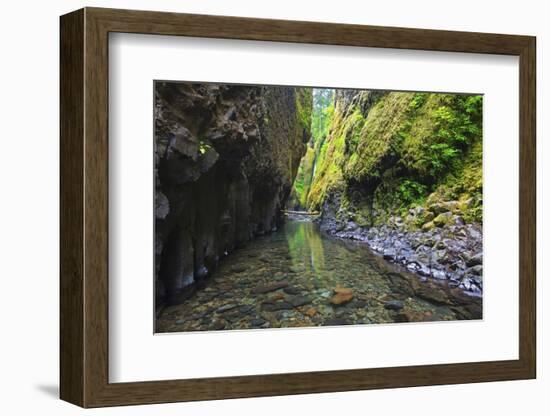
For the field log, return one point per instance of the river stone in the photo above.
(343, 290)
(277, 306)
(218, 325)
(439, 274)
(291, 290)
(341, 298)
(359, 304)
(476, 259)
(433, 295)
(270, 287)
(226, 308)
(297, 301)
(245, 309)
(394, 305)
(477, 270)
(474, 233)
(411, 316)
(257, 322)
(389, 253)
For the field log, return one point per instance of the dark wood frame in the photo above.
(84, 209)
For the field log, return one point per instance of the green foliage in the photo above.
(419, 99)
(323, 111)
(203, 147)
(457, 124)
(411, 192)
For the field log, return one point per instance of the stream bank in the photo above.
(448, 249)
(402, 172)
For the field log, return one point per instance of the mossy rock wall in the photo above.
(390, 152)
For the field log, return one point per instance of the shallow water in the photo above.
(289, 278)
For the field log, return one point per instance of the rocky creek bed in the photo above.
(445, 248)
(299, 276)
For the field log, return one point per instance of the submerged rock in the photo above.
(277, 306)
(342, 295)
(393, 305)
(270, 287)
(297, 301)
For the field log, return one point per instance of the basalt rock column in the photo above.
(225, 159)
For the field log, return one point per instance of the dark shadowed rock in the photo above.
(297, 301)
(222, 172)
(257, 322)
(336, 321)
(394, 305)
(476, 259)
(291, 290)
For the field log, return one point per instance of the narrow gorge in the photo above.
(285, 206)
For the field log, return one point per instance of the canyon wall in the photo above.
(403, 171)
(225, 160)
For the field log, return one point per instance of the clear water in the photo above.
(288, 279)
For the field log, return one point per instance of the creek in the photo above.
(301, 277)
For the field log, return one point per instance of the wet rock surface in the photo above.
(292, 277)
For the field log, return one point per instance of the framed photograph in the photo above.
(255, 207)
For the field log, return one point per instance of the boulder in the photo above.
(442, 219)
(476, 259)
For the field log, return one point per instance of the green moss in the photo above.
(399, 151)
(328, 174)
(303, 107)
(303, 180)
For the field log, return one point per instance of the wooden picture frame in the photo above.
(84, 207)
